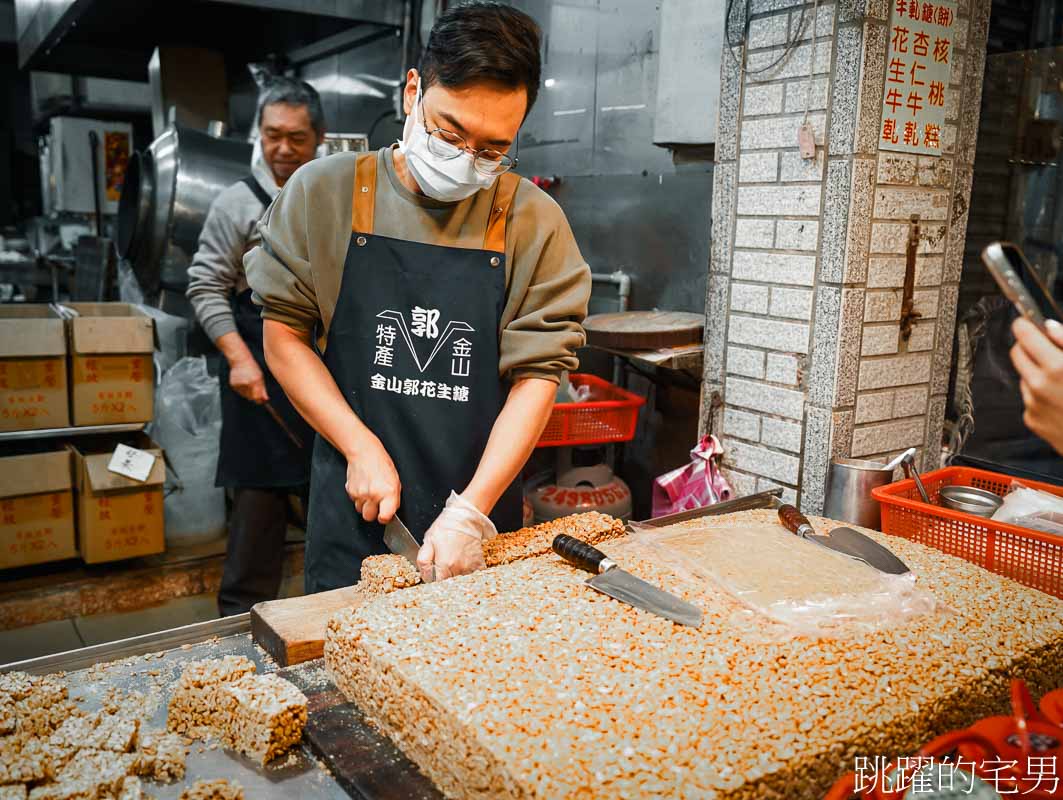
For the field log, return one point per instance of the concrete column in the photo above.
(808, 257)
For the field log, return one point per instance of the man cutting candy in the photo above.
(420, 305)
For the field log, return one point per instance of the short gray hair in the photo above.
(294, 92)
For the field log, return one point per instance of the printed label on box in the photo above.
(36, 528)
(122, 525)
(32, 394)
(131, 463)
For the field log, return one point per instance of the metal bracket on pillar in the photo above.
(715, 405)
(908, 312)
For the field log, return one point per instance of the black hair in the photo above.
(294, 92)
(484, 41)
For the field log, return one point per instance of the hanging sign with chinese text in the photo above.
(918, 68)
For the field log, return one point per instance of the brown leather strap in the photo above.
(506, 188)
(364, 202)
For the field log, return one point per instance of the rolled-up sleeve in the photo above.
(278, 271)
(545, 329)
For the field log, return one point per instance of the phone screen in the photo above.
(1033, 283)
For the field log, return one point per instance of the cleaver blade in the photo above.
(846, 541)
(399, 540)
(622, 585)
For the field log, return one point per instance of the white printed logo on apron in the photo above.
(424, 324)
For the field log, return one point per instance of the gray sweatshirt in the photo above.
(217, 269)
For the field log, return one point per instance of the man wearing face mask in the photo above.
(445, 295)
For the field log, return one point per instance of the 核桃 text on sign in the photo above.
(918, 69)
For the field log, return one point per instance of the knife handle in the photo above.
(581, 554)
(794, 521)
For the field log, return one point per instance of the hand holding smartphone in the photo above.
(1021, 283)
(1038, 350)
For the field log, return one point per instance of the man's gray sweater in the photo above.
(217, 269)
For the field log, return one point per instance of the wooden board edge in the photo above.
(264, 636)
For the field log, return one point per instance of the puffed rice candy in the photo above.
(66, 790)
(559, 691)
(220, 789)
(265, 716)
(106, 769)
(161, 756)
(29, 760)
(195, 708)
(132, 789)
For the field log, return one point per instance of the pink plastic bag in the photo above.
(696, 485)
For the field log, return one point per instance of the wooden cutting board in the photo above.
(293, 631)
(644, 330)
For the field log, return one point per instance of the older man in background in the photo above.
(265, 444)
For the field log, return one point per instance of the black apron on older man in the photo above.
(413, 346)
(264, 456)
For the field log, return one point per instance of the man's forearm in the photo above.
(513, 437)
(312, 389)
(233, 347)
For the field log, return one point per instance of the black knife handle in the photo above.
(794, 521)
(579, 554)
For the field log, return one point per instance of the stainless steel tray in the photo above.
(150, 664)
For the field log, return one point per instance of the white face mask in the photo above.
(448, 180)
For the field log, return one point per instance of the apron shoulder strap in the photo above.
(256, 189)
(364, 200)
(505, 190)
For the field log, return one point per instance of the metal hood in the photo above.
(115, 38)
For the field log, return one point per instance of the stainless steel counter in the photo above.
(150, 665)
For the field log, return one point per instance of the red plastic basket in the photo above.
(609, 416)
(1029, 557)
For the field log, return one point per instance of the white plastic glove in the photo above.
(453, 544)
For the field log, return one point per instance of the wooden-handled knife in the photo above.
(845, 541)
(609, 579)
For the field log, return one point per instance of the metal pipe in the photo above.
(94, 145)
(622, 281)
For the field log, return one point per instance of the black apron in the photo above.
(255, 451)
(413, 346)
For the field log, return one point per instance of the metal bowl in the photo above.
(970, 500)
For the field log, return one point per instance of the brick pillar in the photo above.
(808, 258)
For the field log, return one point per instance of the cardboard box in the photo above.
(111, 368)
(36, 509)
(32, 369)
(118, 517)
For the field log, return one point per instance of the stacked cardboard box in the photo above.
(36, 509)
(33, 385)
(118, 517)
(111, 368)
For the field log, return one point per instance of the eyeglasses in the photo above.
(447, 145)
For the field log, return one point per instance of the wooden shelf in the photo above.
(686, 358)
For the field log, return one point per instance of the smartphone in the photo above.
(1020, 283)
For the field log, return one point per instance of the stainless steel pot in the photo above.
(167, 193)
(968, 499)
(849, 485)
